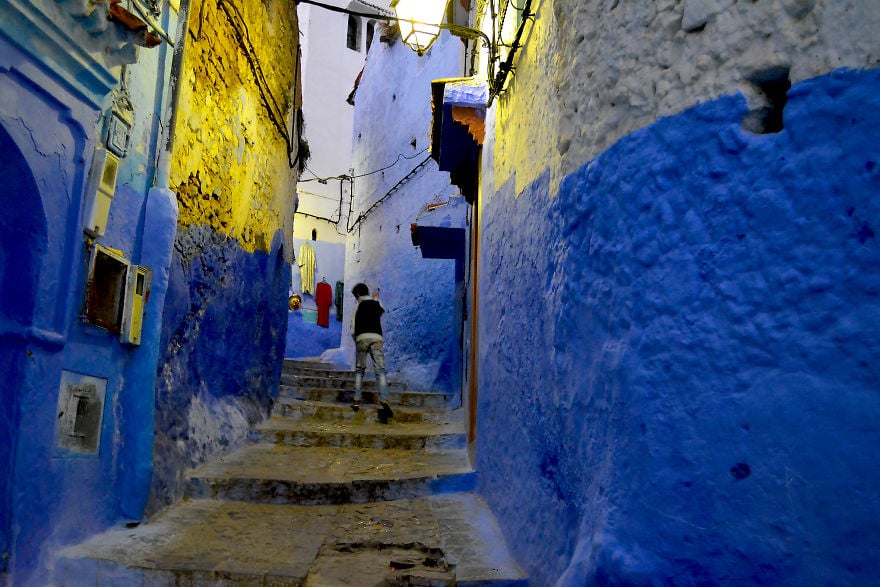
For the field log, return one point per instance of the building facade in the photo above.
(109, 277)
(399, 187)
(674, 302)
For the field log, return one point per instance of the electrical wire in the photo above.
(334, 222)
(239, 27)
(322, 196)
(347, 11)
(499, 79)
(344, 176)
(313, 173)
(363, 215)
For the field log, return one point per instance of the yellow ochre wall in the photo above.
(232, 168)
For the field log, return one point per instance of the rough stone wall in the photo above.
(692, 399)
(225, 324)
(592, 72)
(226, 309)
(678, 314)
(234, 144)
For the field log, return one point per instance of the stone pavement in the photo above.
(322, 497)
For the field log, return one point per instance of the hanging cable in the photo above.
(334, 221)
(377, 16)
(343, 176)
(276, 116)
(363, 215)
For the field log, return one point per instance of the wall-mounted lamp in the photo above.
(419, 21)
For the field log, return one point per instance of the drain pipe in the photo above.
(137, 400)
(163, 171)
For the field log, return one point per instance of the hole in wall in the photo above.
(740, 471)
(770, 97)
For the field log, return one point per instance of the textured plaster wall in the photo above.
(677, 315)
(58, 66)
(592, 72)
(224, 336)
(677, 382)
(225, 316)
(233, 167)
(392, 126)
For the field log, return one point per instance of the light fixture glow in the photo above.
(419, 21)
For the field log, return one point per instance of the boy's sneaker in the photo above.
(356, 405)
(385, 409)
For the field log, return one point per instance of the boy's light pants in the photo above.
(376, 350)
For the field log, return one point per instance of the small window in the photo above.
(354, 33)
(371, 30)
(105, 291)
(314, 234)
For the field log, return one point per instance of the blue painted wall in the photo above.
(396, 181)
(420, 295)
(307, 340)
(46, 126)
(209, 361)
(678, 377)
(223, 343)
(51, 106)
(22, 229)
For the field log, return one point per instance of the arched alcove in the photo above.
(22, 235)
(22, 242)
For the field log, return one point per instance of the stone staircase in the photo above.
(322, 496)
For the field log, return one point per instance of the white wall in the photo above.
(392, 129)
(330, 70)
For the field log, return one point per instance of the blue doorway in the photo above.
(22, 229)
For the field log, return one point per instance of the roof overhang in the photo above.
(458, 128)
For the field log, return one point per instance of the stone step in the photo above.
(364, 434)
(263, 473)
(212, 542)
(296, 409)
(408, 399)
(291, 365)
(340, 382)
(314, 369)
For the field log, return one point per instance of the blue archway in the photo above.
(22, 243)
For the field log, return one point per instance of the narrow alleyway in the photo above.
(322, 496)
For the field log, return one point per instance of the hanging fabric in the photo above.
(323, 299)
(340, 295)
(306, 261)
